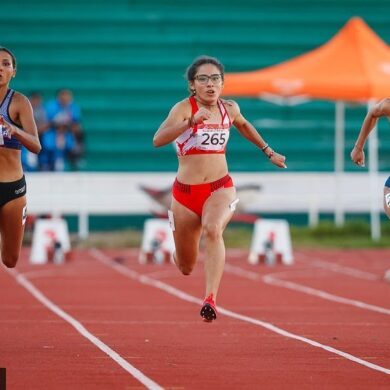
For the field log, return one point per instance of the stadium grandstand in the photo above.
(126, 68)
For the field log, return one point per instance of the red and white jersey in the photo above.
(205, 138)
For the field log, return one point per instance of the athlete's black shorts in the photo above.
(12, 190)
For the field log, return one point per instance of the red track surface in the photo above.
(347, 308)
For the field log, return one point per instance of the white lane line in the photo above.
(162, 274)
(323, 294)
(273, 280)
(100, 256)
(353, 272)
(36, 293)
(48, 273)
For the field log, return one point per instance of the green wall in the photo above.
(125, 62)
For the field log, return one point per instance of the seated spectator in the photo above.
(63, 143)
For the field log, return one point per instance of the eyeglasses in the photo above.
(204, 79)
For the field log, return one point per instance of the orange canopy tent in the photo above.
(353, 66)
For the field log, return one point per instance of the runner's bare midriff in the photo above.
(201, 168)
(11, 168)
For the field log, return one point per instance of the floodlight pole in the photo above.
(339, 161)
(373, 178)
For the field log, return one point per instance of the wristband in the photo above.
(271, 154)
(263, 149)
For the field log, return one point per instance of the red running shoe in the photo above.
(209, 311)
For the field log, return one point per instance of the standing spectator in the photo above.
(31, 161)
(40, 115)
(64, 142)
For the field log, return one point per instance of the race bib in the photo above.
(387, 199)
(212, 139)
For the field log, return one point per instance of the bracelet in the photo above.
(271, 154)
(264, 147)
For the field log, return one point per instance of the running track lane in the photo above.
(163, 337)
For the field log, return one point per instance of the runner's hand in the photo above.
(357, 156)
(277, 159)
